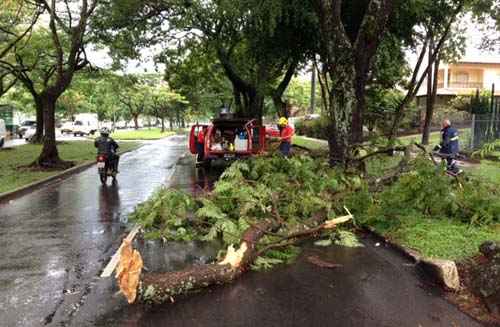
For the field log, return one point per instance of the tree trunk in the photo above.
(178, 118)
(357, 114)
(239, 109)
(163, 124)
(432, 80)
(49, 158)
(161, 287)
(341, 106)
(255, 107)
(277, 94)
(281, 106)
(414, 85)
(136, 121)
(38, 137)
(313, 89)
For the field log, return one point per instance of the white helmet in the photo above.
(105, 131)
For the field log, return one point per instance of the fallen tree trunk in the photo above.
(161, 287)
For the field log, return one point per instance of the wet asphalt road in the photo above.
(56, 241)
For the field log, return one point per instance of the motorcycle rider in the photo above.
(107, 146)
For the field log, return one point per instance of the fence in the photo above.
(485, 127)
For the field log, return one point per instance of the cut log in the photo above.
(110, 267)
(161, 287)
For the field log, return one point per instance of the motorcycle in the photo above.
(105, 169)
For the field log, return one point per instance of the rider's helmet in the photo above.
(104, 131)
(283, 121)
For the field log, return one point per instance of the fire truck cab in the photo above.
(227, 139)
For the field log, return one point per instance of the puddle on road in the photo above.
(170, 256)
(194, 180)
(162, 256)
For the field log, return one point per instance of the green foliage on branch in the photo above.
(428, 192)
(293, 191)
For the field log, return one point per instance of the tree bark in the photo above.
(38, 137)
(163, 124)
(414, 85)
(256, 105)
(313, 89)
(161, 287)
(346, 66)
(431, 99)
(136, 121)
(280, 105)
(341, 106)
(49, 158)
(357, 114)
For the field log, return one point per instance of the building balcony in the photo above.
(462, 85)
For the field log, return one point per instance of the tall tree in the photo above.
(17, 20)
(436, 18)
(258, 44)
(135, 97)
(199, 78)
(67, 26)
(163, 104)
(347, 58)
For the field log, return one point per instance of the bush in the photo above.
(316, 128)
(429, 193)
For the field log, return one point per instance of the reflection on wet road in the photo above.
(55, 240)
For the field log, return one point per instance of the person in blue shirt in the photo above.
(449, 146)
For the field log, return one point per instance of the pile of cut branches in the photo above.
(264, 207)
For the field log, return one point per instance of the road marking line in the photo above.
(116, 257)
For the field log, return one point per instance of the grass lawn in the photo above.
(12, 177)
(489, 170)
(435, 138)
(310, 143)
(441, 238)
(141, 134)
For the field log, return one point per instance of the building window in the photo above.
(462, 78)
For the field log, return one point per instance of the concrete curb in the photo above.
(443, 272)
(26, 189)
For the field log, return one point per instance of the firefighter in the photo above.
(200, 144)
(449, 146)
(286, 134)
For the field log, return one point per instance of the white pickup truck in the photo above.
(85, 124)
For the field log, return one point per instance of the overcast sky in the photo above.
(101, 59)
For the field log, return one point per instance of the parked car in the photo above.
(66, 127)
(85, 124)
(3, 133)
(228, 139)
(29, 132)
(25, 126)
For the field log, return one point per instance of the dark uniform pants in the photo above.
(200, 150)
(285, 148)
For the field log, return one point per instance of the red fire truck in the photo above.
(228, 139)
